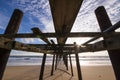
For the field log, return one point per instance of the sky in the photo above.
(37, 14)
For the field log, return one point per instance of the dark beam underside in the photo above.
(64, 13)
(54, 35)
(109, 44)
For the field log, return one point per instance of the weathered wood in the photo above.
(12, 28)
(105, 23)
(78, 63)
(49, 35)
(42, 67)
(64, 16)
(37, 31)
(9, 44)
(53, 45)
(56, 63)
(65, 60)
(109, 44)
(53, 65)
(71, 64)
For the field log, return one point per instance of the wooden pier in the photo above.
(63, 18)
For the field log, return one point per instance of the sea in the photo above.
(37, 60)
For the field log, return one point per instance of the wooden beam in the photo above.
(54, 35)
(78, 63)
(56, 63)
(53, 45)
(111, 44)
(105, 23)
(8, 44)
(12, 28)
(65, 60)
(42, 67)
(38, 31)
(64, 16)
(71, 64)
(53, 65)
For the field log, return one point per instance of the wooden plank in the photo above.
(8, 44)
(54, 35)
(109, 44)
(38, 31)
(105, 23)
(64, 16)
(12, 28)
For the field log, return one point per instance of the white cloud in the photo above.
(54, 39)
(85, 21)
(48, 25)
(78, 41)
(39, 9)
(27, 40)
(33, 1)
(1, 27)
(3, 21)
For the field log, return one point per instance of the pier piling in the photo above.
(78, 63)
(53, 65)
(12, 28)
(105, 23)
(71, 64)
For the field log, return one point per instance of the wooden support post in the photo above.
(42, 67)
(105, 23)
(53, 45)
(12, 28)
(65, 60)
(78, 63)
(38, 31)
(71, 64)
(53, 65)
(56, 63)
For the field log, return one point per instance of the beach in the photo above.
(32, 73)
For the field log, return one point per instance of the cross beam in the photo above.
(109, 44)
(54, 35)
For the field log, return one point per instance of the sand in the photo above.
(32, 73)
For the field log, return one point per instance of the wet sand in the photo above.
(32, 73)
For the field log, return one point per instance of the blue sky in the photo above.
(37, 14)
